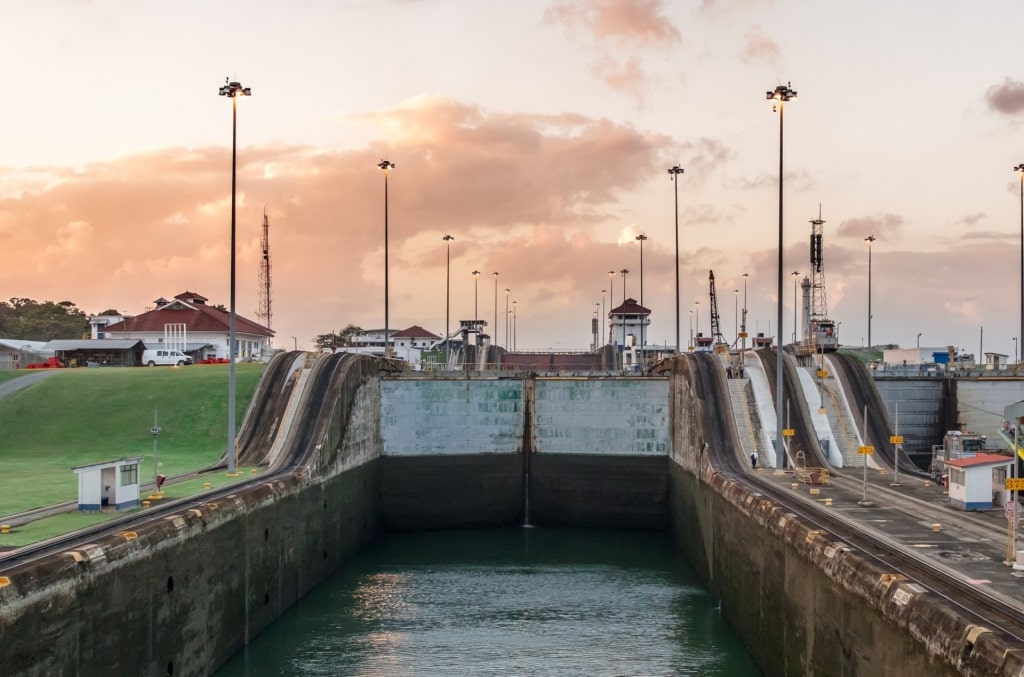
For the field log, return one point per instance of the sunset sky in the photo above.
(538, 134)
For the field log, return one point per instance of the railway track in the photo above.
(980, 605)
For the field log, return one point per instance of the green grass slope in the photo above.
(81, 416)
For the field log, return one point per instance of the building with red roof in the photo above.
(189, 324)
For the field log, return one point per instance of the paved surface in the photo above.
(973, 544)
(22, 382)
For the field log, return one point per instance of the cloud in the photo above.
(1006, 98)
(634, 22)
(879, 226)
(799, 180)
(728, 7)
(758, 47)
(972, 219)
(613, 26)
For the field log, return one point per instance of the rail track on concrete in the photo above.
(984, 607)
(298, 450)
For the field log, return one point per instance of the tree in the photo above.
(337, 339)
(29, 320)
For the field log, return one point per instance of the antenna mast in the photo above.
(264, 313)
(819, 306)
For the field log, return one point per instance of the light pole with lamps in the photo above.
(779, 96)
(611, 288)
(796, 275)
(514, 328)
(476, 296)
(641, 238)
(690, 347)
(604, 316)
(675, 172)
(1020, 170)
(507, 343)
(919, 340)
(743, 326)
(870, 240)
(495, 330)
(736, 312)
(447, 298)
(697, 313)
(232, 90)
(386, 167)
(625, 272)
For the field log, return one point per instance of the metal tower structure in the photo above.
(819, 305)
(263, 313)
(716, 329)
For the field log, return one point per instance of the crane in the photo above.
(716, 329)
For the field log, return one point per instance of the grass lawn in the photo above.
(40, 530)
(81, 416)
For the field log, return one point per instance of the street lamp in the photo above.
(476, 296)
(919, 340)
(743, 327)
(779, 96)
(611, 287)
(675, 172)
(690, 347)
(495, 330)
(736, 311)
(232, 90)
(447, 299)
(795, 276)
(604, 316)
(514, 324)
(1014, 349)
(640, 238)
(386, 167)
(870, 239)
(295, 343)
(625, 272)
(1020, 170)
(507, 335)
(697, 313)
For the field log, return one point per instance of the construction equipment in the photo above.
(820, 333)
(719, 343)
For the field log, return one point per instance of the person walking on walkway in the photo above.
(753, 459)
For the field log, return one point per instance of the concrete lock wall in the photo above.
(185, 593)
(181, 594)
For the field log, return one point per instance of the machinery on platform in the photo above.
(820, 333)
(720, 345)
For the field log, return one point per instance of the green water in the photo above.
(504, 602)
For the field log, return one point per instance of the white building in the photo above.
(113, 484)
(188, 324)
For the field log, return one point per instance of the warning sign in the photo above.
(896, 439)
(1015, 484)
(865, 449)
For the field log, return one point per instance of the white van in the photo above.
(152, 358)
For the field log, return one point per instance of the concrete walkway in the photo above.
(22, 382)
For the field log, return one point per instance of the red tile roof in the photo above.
(415, 331)
(979, 459)
(630, 307)
(195, 317)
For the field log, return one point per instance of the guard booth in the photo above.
(978, 482)
(110, 484)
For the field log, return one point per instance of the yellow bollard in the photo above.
(828, 501)
(253, 471)
(145, 504)
(5, 528)
(936, 527)
(206, 485)
(815, 491)
(794, 485)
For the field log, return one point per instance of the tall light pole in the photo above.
(295, 343)
(919, 340)
(447, 299)
(514, 324)
(675, 172)
(386, 167)
(690, 347)
(743, 327)
(604, 316)
(625, 272)
(869, 240)
(796, 276)
(507, 335)
(779, 96)
(1020, 170)
(641, 238)
(697, 313)
(736, 311)
(611, 289)
(232, 90)
(476, 296)
(495, 330)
